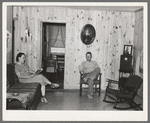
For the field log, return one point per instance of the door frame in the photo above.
(41, 21)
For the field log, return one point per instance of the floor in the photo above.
(55, 78)
(60, 99)
(71, 100)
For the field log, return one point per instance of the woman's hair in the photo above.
(19, 55)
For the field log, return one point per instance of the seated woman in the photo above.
(26, 75)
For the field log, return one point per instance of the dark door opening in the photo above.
(53, 53)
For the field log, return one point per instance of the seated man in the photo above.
(90, 70)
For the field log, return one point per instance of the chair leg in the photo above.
(99, 90)
(105, 100)
(116, 103)
(134, 105)
(80, 89)
(95, 88)
(104, 97)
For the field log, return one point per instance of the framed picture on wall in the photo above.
(88, 34)
(127, 50)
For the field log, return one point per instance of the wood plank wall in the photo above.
(9, 34)
(113, 30)
(138, 49)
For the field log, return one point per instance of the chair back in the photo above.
(60, 61)
(60, 58)
(99, 76)
(50, 63)
(134, 81)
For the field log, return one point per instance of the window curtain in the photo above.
(63, 34)
(56, 35)
(52, 34)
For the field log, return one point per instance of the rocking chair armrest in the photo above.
(112, 81)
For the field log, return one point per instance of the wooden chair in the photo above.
(126, 93)
(111, 91)
(97, 84)
(51, 63)
(60, 63)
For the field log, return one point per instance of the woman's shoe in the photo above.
(42, 100)
(54, 86)
(45, 100)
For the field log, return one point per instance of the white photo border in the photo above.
(73, 115)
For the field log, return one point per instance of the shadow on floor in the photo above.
(55, 78)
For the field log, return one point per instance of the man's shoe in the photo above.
(90, 96)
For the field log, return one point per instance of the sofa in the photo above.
(21, 96)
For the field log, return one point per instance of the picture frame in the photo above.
(127, 50)
(88, 34)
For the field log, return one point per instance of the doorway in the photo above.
(53, 52)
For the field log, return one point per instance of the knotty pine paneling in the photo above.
(113, 30)
(138, 49)
(9, 35)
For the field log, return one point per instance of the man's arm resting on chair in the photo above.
(93, 74)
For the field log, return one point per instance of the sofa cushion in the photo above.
(25, 85)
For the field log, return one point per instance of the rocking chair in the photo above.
(126, 93)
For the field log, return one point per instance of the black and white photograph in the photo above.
(80, 61)
(127, 50)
